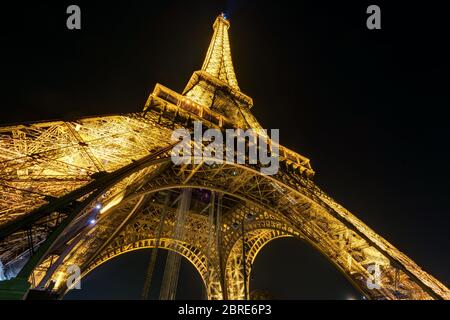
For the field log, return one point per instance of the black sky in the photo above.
(369, 108)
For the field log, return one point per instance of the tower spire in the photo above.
(218, 62)
(215, 86)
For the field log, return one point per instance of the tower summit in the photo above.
(218, 62)
(215, 86)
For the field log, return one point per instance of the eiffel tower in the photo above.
(82, 192)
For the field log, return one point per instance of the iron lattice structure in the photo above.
(55, 175)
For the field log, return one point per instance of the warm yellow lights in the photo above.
(43, 161)
(114, 202)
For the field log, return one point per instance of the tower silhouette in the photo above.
(79, 193)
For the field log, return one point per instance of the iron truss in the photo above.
(57, 177)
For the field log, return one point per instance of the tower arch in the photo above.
(196, 258)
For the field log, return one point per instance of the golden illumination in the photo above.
(41, 162)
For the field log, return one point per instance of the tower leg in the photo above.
(154, 254)
(172, 269)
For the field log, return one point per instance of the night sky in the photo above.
(368, 107)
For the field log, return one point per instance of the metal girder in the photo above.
(315, 224)
(53, 173)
